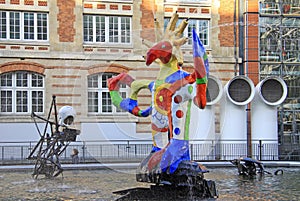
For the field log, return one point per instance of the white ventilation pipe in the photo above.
(270, 93)
(203, 134)
(238, 92)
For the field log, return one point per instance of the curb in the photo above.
(99, 166)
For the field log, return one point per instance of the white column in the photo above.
(269, 93)
(238, 92)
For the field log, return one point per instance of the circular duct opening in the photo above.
(240, 90)
(213, 92)
(273, 90)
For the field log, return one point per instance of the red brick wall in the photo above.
(27, 66)
(252, 42)
(226, 23)
(147, 20)
(29, 2)
(66, 19)
(101, 6)
(42, 3)
(114, 7)
(114, 68)
(14, 1)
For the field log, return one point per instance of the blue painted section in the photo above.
(178, 75)
(177, 151)
(128, 104)
(146, 112)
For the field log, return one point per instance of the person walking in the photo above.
(75, 157)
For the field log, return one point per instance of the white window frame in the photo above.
(28, 88)
(21, 26)
(107, 31)
(99, 90)
(204, 40)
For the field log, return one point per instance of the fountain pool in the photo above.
(100, 185)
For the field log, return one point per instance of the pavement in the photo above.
(122, 165)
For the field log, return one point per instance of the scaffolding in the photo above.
(279, 36)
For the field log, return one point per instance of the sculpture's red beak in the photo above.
(162, 51)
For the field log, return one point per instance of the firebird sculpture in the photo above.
(173, 93)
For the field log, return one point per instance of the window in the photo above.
(21, 92)
(99, 101)
(107, 29)
(275, 7)
(201, 27)
(27, 26)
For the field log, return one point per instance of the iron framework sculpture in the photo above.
(51, 145)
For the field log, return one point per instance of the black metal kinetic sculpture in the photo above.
(47, 151)
(251, 167)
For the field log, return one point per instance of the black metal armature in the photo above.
(51, 145)
(250, 167)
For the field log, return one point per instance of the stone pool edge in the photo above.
(97, 166)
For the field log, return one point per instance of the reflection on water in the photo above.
(99, 185)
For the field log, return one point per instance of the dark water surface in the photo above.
(234, 187)
(100, 185)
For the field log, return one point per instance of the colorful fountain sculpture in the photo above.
(173, 93)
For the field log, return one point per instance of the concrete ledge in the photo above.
(266, 164)
(99, 166)
(217, 164)
(281, 163)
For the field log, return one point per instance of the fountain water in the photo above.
(99, 184)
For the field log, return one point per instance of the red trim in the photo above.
(155, 128)
(122, 78)
(135, 111)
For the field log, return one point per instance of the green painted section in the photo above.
(115, 98)
(201, 80)
(190, 89)
(187, 121)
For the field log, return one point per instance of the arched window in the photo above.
(99, 101)
(21, 92)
